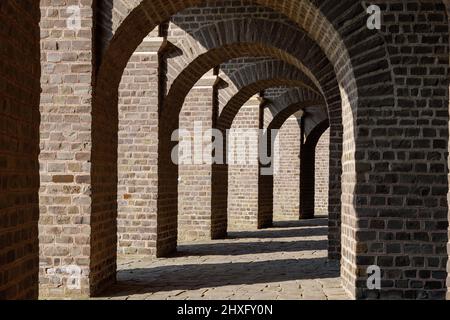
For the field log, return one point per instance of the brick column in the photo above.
(70, 265)
(19, 148)
(322, 165)
(266, 173)
(335, 192)
(286, 195)
(307, 175)
(307, 181)
(137, 151)
(243, 178)
(308, 169)
(195, 215)
(265, 200)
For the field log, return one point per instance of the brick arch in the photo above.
(242, 85)
(283, 108)
(307, 169)
(228, 32)
(340, 43)
(258, 76)
(247, 82)
(179, 90)
(167, 202)
(316, 116)
(266, 68)
(288, 103)
(312, 61)
(284, 74)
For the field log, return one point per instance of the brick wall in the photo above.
(19, 147)
(286, 194)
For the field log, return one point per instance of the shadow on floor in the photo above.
(293, 229)
(316, 222)
(198, 276)
(236, 249)
(212, 272)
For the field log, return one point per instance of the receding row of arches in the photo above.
(213, 46)
(359, 83)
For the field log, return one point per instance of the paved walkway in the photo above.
(287, 262)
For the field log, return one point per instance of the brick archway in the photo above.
(211, 39)
(287, 104)
(166, 219)
(315, 119)
(307, 176)
(314, 115)
(333, 47)
(242, 85)
(221, 50)
(249, 80)
(271, 74)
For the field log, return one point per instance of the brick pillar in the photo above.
(265, 200)
(308, 169)
(286, 193)
(19, 148)
(195, 215)
(322, 174)
(447, 6)
(69, 264)
(307, 177)
(266, 172)
(307, 183)
(334, 192)
(137, 151)
(243, 178)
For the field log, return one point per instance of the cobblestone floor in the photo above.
(286, 262)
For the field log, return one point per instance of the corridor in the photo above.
(286, 262)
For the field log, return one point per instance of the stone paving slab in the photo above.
(287, 262)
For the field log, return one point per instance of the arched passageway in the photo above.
(386, 92)
(179, 89)
(358, 100)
